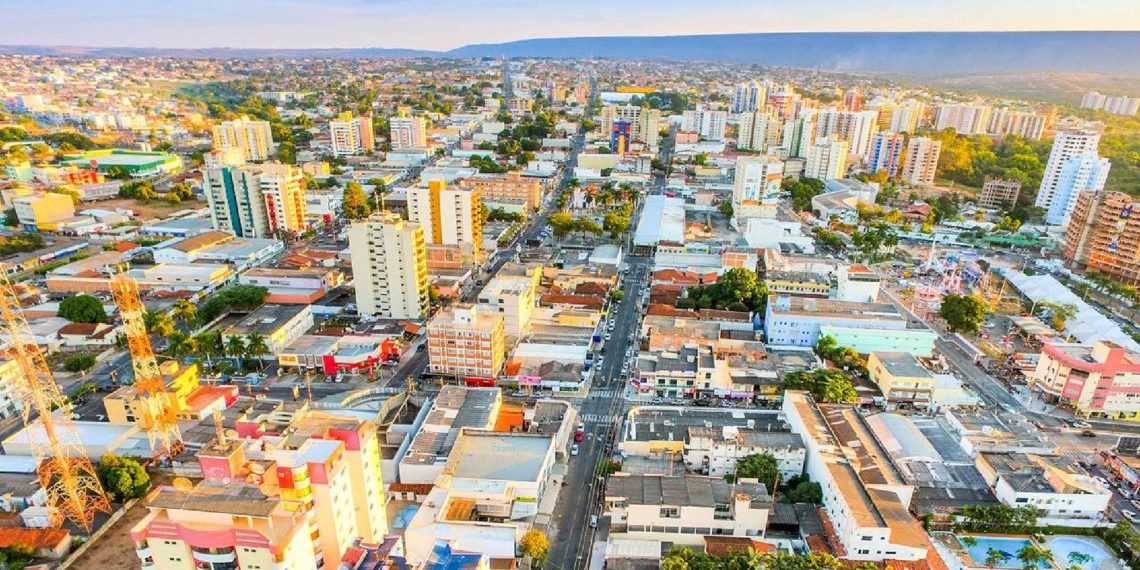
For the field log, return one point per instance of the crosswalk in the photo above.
(599, 394)
(600, 418)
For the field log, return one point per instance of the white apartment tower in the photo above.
(450, 216)
(407, 132)
(964, 119)
(921, 161)
(1056, 195)
(256, 201)
(758, 130)
(351, 135)
(827, 159)
(389, 267)
(708, 124)
(756, 186)
(1081, 173)
(749, 97)
(644, 123)
(254, 139)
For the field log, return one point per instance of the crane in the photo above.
(62, 464)
(157, 413)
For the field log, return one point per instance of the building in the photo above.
(389, 267)
(1116, 105)
(707, 123)
(451, 216)
(864, 501)
(351, 135)
(999, 194)
(964, 119)
(498, 190)
(921, 161)
(41, 211)
(868, 339)
(217, 247)
(189, 398)
(280, 325)
(758, 130)
(136, 164)
(1025, 124)
(857, 283)
(514, 297)
(797, 138)
(749, 97)
(456, 408)
(217, 524)
(407, 132)
(464, 341)
(1100, 380)
(714, 451)
(756, 185)
(1062, 494)
(253, 138)
(256, 201)
(644, 123)
(1073, 167)
(886, 153)
(1102, 234)
(856, 128)
(826, 159)
(797, 321)
(293, 286)
(683, 510)
(901, 378)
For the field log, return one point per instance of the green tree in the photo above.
(122, 477)
(1031, 555)
(760, 466)
(355, 204)
(209, 344)
(615, 223)
(82, 309)
(561, 224)
(994, 557)
(725, 209)
(185, 311)
(235, 348)
(11, 219)
(617, 295)
(79, 363)
(256, 346)
(802, 490)
(536, 545)
(158, 322)
(963, 313)
(824, 384)
(180, 344)
(803, 190)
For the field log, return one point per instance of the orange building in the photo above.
(1104, 234)
(509, 187)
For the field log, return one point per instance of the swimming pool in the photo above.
(1006, 549)
(1062, 548)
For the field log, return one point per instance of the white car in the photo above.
(608, 335)
(574, 451)
(1130, 516)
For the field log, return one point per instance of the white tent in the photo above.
(1088, 326)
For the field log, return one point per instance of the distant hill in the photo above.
(920, 53)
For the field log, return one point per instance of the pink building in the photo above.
(1102, 380)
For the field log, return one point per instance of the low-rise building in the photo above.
(797, 321)
(901, 378)
(1063, 494)
(1101, 380)
(293, 286)
(42, 210)
(455, 408)
(280, 325)
(714, 451)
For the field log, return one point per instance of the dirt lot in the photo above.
(148, 210)
(115, 549)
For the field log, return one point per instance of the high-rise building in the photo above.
(351, 135)
(901, 118)
(886, 153)
(827, 159)
(799, 133)
(1104, 234)
(389, 266)
(999, 193)
(253, 138)
(756, 185)
(450, 216)
(620, 133)
(256, 201)
(707, 123)
(857, 128)
(1025, 124)
(758, 130)
(1057, 193)
(511, 187)
(782, 97)
(749, 97)
(406, 131)
(853, 100)
(465, 341)
(964, 119)
(644, 123)
(921, 161)
(1129, 106)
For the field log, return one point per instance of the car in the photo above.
(1081, 425)
(1088, 433)
(593, 521)
(574, 449)
(1135, 503)
(1130, 516)
(608, 335)
(581, 427)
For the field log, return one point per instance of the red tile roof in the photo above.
(36, 538)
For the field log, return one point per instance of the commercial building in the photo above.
(280, 325)
(189, 399)
(514, 297)
(999, 193)
(351, 135)
(41, 211)
(758, 130)
(857, 283)
(254, 139)
(256, 201)
(683, 510)
(464, 341)
(864, 501)
(136, 164)
(865, 340)
(389, 267)
(644, 123)
(826, 159)
(797, 321)
(756, 186)
(1061, 493)
(1073, 167)
(217, 247)
(407, 132)
(901, 378)
(1101, 380)
(886, 153)
(451, 216)
(507, 189)
(921, 161)
(707, 123)
(455, 408)
(293, 286)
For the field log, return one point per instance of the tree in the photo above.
(209, 344)
(256, 347)
(355, 204)
(79, 363)
(825, 384)
(760, 466)
(1057, 314)
(617, 295)
(802, 490)
(1078, 559)
(536, 545)
(11, 219)
(994, 556)
(963, 313)
(82, 309)
(122, 477)
(158, 322)
(185, 311)
(179, 344)
(235, 347)
(725, 209)
(803, 190)
(561, 224)
(616, 223)
(1031, 555)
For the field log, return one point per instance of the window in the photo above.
(670, 513)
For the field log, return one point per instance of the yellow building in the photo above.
(450, 216)
(41, 211)
(464, 341)
(191, 400)
(901, 378)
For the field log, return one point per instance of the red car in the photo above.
(578, 436)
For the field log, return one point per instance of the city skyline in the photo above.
(450, 24)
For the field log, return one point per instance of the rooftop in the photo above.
(666, 423)
(230, 498)
(804, 306)
(500, 456)
(266, 319)
(902, 365)
(687, 490)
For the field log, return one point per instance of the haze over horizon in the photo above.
(448, 24)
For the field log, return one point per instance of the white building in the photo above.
(1085, 172)
(921, 161)
(827, 159)
(644, 123)
(256, 200)
(707, 123)
(254, 139)
(351, 135)
(714, 451)
(749, 97)
(449, 215)
(964, 119)
(407, 132)
(796, 321)
(1053, 195)
(857, 283)
(758, 130)
(389, 266)
(756, 185)
(1061, 496)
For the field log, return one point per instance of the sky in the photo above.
(446, 24)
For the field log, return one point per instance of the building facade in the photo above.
(827, 159)
(451, 216)
(254, 139)
(256, 201)
(1104, 235)
(466, 342)
(407, 132)
(1102, 380)
(1056, 191)
(389, 266)
(886, 153)
(509, 188)
(921, 161)
(999, 193)
(351, 135)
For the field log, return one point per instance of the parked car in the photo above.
(593, 521)
(574, 451)
(1088, 433)
(1130, 516)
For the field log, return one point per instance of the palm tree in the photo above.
(235, 347)
(256, 346)
(179, 344)
(1079, 559)
(208, 344)
(186, 312)
(994, 557)
(159, 323)
(1030, 555)
(970, 541)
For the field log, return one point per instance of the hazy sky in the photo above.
(444, 24)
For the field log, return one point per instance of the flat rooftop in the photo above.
(902, 364)
(810, 307)
(672, 423)
(500, 456)
(686, 490)
(265, 319)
